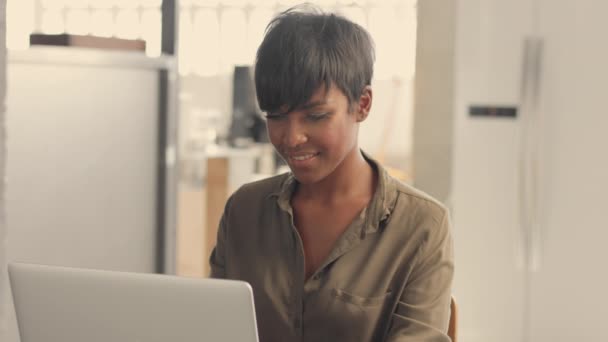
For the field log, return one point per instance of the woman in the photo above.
(336, 250)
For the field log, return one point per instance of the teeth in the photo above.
(308, 156)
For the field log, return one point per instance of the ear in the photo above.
(365, 104)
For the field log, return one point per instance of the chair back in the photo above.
(453, 320)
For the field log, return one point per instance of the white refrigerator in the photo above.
(529, 193)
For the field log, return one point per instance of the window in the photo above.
(130, 19)
(214, 35)
(236, 28)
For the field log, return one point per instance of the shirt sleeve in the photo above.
(423, 310)
(217, 260)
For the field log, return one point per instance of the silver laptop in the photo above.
(57, 304)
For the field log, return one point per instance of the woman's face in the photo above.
(316, 139)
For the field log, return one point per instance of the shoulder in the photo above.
(406, 201)
(418, 202)
(416, 215)
(419, 224)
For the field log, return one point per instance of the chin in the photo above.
(306, 178)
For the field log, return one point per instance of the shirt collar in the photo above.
(378, 210)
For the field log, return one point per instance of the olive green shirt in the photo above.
(388, 277)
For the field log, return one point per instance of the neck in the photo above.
(353, 178)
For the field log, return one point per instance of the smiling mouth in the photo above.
(302, 157)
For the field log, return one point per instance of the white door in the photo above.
(569, 290)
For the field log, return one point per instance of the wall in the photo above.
(434, 96)
(3, 230)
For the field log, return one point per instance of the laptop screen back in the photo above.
(56, 304)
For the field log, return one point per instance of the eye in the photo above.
(317, 116)
(274, 116)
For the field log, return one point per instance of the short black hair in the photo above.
(304, 49)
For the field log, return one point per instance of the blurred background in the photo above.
(127, 124)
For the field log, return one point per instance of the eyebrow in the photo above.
(310, 105)
(305, 106)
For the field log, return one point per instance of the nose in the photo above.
(294, 134)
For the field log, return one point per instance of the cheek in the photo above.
(274, 134)
(336, 137)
